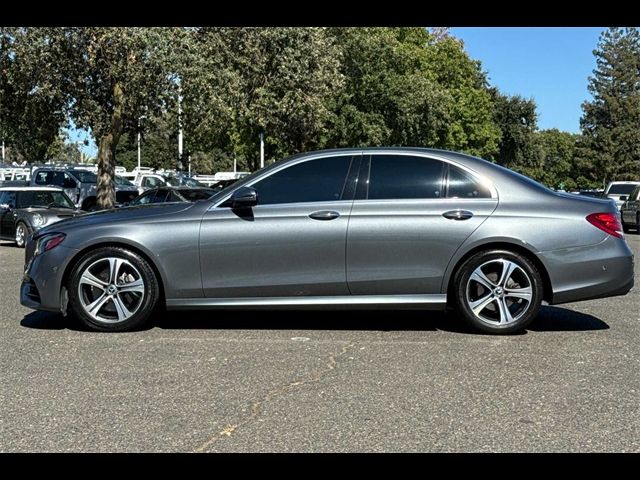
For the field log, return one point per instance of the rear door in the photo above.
(408, 220)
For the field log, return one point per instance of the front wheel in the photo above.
(112, 289)
(498, 291)
(22, 233)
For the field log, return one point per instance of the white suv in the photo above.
(616, 190)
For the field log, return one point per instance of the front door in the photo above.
(407, 222)
(292, 243)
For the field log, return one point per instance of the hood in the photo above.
(53, 212)
(118, 215)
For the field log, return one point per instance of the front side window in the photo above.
(404, 177)
(463, 185)
(144, 199)
(319, 180)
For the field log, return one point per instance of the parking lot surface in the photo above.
(367, 381)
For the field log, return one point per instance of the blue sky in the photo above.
(548, 64)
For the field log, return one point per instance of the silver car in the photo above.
(387, 227)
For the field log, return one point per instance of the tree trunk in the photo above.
(105, 188)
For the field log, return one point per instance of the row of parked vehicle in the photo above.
(55, 193)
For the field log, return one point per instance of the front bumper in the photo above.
(43, 276)
(594, 271)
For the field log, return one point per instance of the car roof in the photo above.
(27, 189)
(625, 182)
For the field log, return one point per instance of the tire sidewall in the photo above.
(27, 232)
(460, 285)
(149, 302)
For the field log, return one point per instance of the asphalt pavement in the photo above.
(371, 381)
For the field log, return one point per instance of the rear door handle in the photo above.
(458, 214)
(324, 215)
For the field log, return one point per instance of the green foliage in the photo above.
(305, 88)
(31, 102)
(610, 145)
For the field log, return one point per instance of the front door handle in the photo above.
(458, 215)
(324, 215)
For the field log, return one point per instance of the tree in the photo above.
(119, 74)
(556, 155)
(517, 120)
(272, 80)
(390, 96)
(31, 102)
(610, 142)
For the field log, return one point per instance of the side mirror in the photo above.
(623, 198)
(244, 197)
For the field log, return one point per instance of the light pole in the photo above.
(261, 149)
(139, 128)
(3, 151)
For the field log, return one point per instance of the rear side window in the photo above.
(404, 176)
(463, 185)
(320, 180)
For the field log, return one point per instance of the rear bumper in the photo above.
(595, 271)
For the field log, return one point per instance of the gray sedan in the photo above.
(388, 227)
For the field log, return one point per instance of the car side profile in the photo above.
(630, 210)
(25, 210)
(618, 191)
(347, 228)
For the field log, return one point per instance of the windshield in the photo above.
(622, 188)
(43, 199)
(180, 181)
(85, 176)
(122, 181)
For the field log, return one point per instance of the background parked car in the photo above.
(25, 210)
(148, 180)
(80, 185)
(173, 194)
(617, 190)
(630, 211)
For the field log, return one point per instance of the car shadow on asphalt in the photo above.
(551, 319)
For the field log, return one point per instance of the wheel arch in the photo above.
(119, 244)
(547, 286)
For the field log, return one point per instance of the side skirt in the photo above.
(421, 302)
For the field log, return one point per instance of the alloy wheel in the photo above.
(499, 292)
(111, 290)
(21, 234)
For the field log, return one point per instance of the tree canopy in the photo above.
(305, 89)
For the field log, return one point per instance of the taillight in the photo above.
(607, 222)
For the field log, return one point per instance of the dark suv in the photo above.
(80, 185)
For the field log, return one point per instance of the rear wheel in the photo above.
(90, 205)
(112, 289)
(498, 291)
(22, 233)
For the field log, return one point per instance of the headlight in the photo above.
(48, 241)
(37, 220)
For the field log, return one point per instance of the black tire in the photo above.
(90, 205)
(638, 223)
(523, 316)
(28, 231)
(625, 227)
(145, 307)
